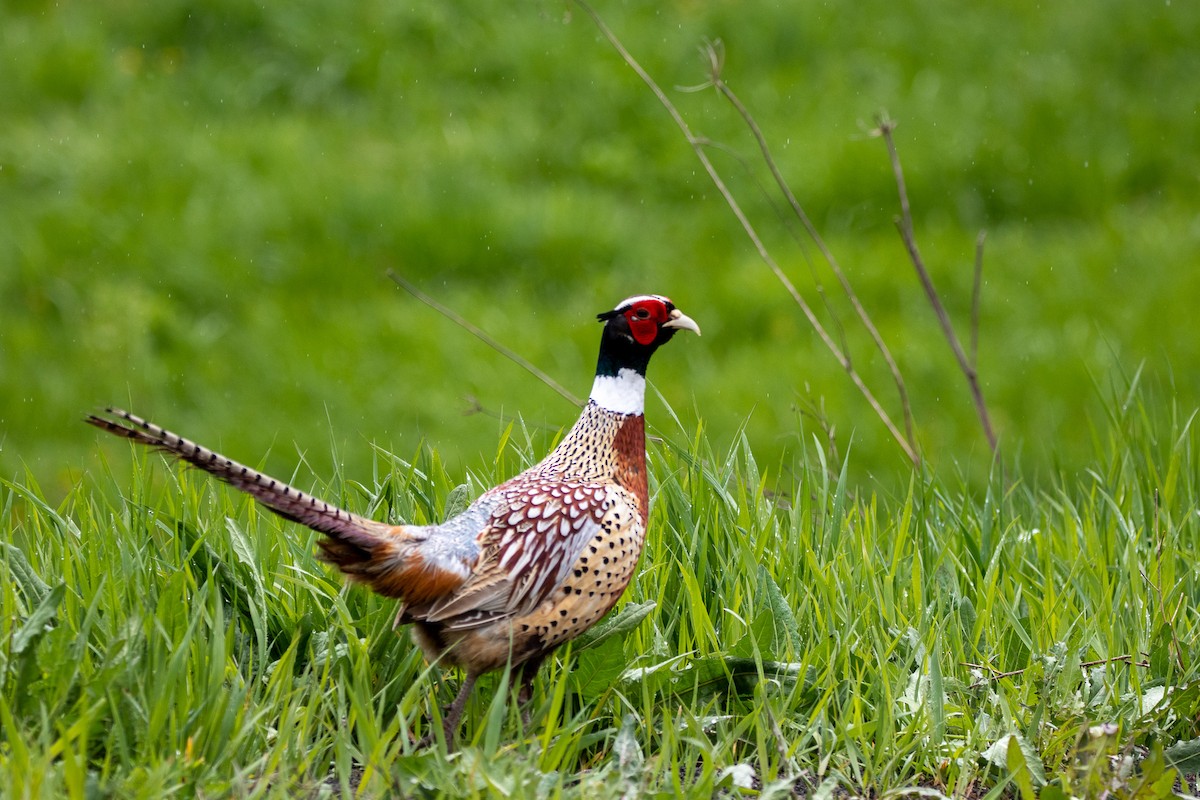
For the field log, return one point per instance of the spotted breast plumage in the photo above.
(528, 565)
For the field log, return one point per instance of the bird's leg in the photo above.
(525, 685)
(453, 714)
(529, 671)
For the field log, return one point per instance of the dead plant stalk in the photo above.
(904, 224)
(809, 228)
(698, 144)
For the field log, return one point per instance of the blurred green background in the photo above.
(199, 202)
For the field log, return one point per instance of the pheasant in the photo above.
(528, 565)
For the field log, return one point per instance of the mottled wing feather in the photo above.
(536, 533)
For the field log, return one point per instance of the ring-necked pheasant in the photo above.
(532, 562)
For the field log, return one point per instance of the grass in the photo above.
(168, 636)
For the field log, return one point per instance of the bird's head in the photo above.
(647, 320)
(637, 327)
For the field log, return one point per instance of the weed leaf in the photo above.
(618, 624)
(1184, 755)
(30, 582)
(39, 622)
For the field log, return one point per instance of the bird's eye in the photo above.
(642, 313)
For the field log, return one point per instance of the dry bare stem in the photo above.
(975, 290)
(454, 317)
(997, 675)
(698, 147)
(715, 63)
(904, 225)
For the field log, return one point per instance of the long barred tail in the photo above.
(391, 559)
(361, 547)
(276, 495)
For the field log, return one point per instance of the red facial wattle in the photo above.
(644, 318)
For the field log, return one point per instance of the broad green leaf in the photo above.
(717, 675)
(627, 749)
(597, 668)
(244, 550)
(1184, 755)
(39, 622)
(785, 630)
(937, 696)
(24, 642)
(26, 577)
(1018, 767)
(1013, 753)
(457, 501)
(618, 624)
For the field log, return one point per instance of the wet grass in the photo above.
(168, 636)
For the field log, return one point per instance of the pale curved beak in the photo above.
(682, 322)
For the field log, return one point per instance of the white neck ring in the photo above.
(624, 393)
